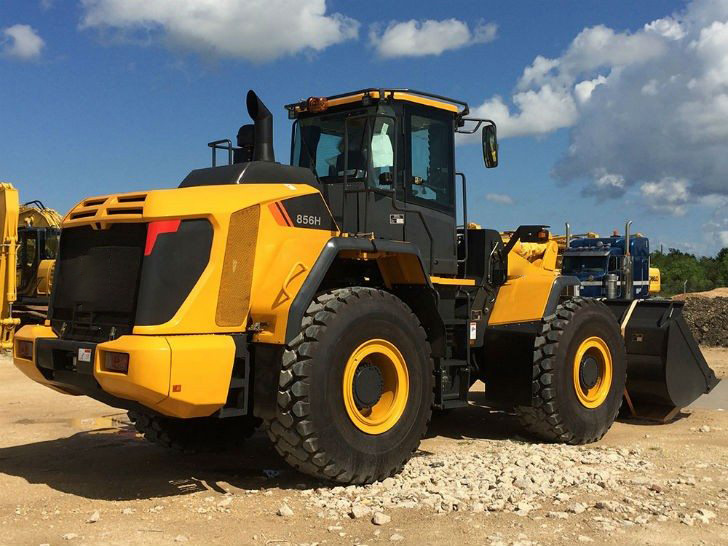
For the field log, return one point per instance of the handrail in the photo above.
(216, 145)
(464, 261)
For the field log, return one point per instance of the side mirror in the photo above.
(490, 146)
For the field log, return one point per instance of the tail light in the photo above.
(24, 349)
(116, 362)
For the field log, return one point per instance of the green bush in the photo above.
(702, 273)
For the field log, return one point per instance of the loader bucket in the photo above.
(665, 369)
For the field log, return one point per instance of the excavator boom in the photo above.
(9, 208)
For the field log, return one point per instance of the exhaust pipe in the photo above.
(263, 149)
(627, 267)
(568, 234)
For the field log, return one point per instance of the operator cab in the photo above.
(35, 244)
(385, 161)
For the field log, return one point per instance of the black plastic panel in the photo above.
(253, 172)
(309, 211)
(171, 271)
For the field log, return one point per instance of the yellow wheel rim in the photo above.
(392, 377)
(592, 372)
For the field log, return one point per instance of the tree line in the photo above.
(701, 273)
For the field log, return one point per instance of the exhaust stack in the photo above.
(263, 150)
(568, 234)
(627, 268)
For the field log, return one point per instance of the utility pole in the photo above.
(685, 287)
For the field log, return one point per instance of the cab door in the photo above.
(429, 187)
(382, 202)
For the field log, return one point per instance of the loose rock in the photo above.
(285, 511)
(359, 511)
(381, 519)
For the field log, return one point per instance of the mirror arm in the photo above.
(478, 124)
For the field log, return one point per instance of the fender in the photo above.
(557, 290)
(425, 310)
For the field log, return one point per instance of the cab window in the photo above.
(431, 169)
(382, 152)
(51, 246)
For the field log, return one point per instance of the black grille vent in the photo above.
(97, 280)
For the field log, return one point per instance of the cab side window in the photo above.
(382, 152)
(431, 175)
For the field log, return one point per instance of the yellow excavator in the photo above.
(30, 235)
(340, 298)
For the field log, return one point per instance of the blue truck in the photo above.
(606, 270)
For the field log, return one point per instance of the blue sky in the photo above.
(114, 98)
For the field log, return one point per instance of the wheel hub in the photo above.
(592, 372)
(375, 386)
(588, 372)
(368, 385)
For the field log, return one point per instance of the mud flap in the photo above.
(665, 369)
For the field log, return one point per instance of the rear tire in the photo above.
(579, 374)
(201, 434)
(319, 428)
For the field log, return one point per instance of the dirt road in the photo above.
(73, 472)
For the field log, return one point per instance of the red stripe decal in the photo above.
(285, 213)
(276, 212)
(155, 229)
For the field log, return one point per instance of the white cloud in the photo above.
(583, 90)
(499, 198)
(605, 185)
(716, 228)
(668, 196)
(550, 92)
(666, 27)
(537, 112)
(21, 42)
(419, 38)
(256, 30)
(645, 110)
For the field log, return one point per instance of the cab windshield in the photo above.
(319, 144)
(592, 265)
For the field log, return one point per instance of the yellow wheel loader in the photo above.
(30, 234)
(339, 300)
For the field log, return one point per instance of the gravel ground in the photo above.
(707, 317)
(73, 472)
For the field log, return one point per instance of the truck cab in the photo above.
(593, 260)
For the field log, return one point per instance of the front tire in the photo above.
(356, 388)
(579, 374)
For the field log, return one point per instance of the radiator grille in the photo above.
(237, 275)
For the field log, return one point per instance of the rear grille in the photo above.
(233, 299)
(116, 211)
(96, 281)
(100, 208)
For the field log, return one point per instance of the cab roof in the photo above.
(366, 96)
